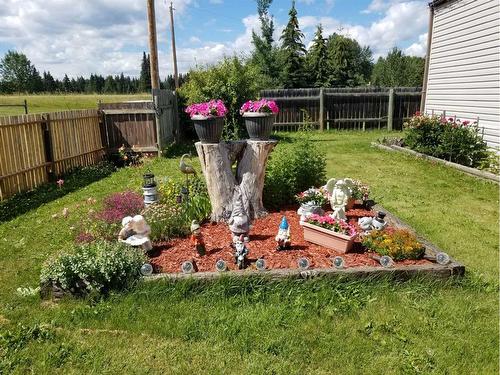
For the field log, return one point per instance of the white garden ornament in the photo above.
(135, 232)
(340, 191)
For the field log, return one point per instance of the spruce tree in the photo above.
(49, 84)
(317, 68)
(293, 51)
(145, 76)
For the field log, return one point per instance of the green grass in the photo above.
(60, 102)
(257, 327)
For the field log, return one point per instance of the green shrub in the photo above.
(292, 168)
(450, 139)
(94, 267)
(166, 221)
(231, 80)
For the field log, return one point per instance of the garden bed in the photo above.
(167, 258)
(471, 171)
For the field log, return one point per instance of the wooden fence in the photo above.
(147, 126)
(35, 148)
(344, 108)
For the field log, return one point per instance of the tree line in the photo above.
(331, 61)
(19, 75)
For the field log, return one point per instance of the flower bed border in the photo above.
(468, 170)
(453, 268)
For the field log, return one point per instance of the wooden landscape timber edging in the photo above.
(470, 171)
(344, 108)
(453, 268)
(36, 148)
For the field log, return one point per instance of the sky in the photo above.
(80, 37)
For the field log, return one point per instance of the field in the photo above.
(61, 102)
(321, 326)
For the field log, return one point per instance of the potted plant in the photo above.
(208, 120)
(259, 118)
(329, 232)
(397, 243)
(311, 202)
(359, 193)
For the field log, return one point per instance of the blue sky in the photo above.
(108, 36)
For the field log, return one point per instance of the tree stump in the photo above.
(217, 162)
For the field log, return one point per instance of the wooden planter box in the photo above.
(327, 238)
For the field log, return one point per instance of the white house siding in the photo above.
(464, 64)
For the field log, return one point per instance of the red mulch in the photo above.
(168, 257)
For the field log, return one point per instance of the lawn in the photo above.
(253, 326)
(60, 102)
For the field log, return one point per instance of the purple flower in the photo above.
(119, 205)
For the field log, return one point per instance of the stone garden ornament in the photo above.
(135, 232)
(197, 238)
(340, 191)
(239, 222)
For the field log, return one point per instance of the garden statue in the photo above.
(283, 236)
(185, 168)
(340, 192)
(241, 252)
(365, 223)
(135, 232)
(369, 223)
(197, 238)
(378, 222)
(239, 223)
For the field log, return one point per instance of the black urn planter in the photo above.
(259, 125)
(208, 129)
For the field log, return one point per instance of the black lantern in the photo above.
(149, 180)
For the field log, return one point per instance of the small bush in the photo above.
(119, 205)
(450, 139)
(166, 221)
(74, 180)
(96, 267)
(399, 244)
(293, 168)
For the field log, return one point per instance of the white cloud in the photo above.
(108, 36)
(418, 48)
(399, 25)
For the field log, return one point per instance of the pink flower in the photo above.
(262, 105)
(213, 108)
(60, 183)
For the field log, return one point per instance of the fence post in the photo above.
(47, 142)
(321, 109)
(25, 107)
(390, 110)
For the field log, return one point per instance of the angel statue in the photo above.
(340, 191)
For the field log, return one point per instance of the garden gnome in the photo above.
(197, 238)
(136, 232)
(283, 236)
(241, 251)
(339, 196)
(238, 222)
(365, 223)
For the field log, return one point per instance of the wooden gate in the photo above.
(145, 126)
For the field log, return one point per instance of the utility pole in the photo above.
(174, 53)
(153, 47)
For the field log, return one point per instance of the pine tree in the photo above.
(49, 84)
(145, 76)
(66, 83)
(35, 82)
(317, 60)
(293, 51)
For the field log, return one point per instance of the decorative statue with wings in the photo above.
(340, 191)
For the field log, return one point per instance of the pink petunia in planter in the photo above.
(329, 232)
(259, 118)
(208, 120)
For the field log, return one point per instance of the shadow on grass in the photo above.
(26, 201)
